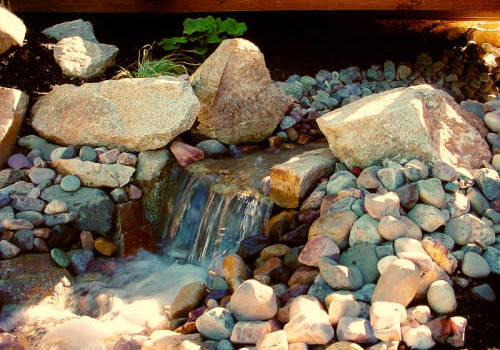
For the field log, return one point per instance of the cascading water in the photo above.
(207, 222)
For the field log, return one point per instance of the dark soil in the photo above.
(301, 43)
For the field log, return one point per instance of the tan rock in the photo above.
(426, 279)
(344, 345)
(132, 114)
(335, 225)
(341, 305)
(234, 270)
(168, 340)
(355, 329)
(380, 205)
(239, 102)
(13, 106)
(12, 30)
(386, 319)
(104, 246)
(253, 301)
(398, 283)
(419, 122)
(293, 180)
(81, 58)
(440, 254)
(95, 174)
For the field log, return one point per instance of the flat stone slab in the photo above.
(293, 180)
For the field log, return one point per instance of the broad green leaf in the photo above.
(173, 43)
(193, 25)
(232, 27)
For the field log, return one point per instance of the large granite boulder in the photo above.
(13, 106)
(239, 102)
(418, 121)
(131, 114)
(12, 30)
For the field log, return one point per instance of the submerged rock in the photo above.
(239, 102)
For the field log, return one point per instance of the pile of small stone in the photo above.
(372, 257)
(50, 200)
(470, 72)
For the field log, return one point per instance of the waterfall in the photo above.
(205, 219)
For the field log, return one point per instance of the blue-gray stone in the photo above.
(340, 180)
(212, 148)
(282, 135)
(358, 207)
(451, 187)
(349, 99)
(489, 183)
(27, 204)
(24, 240)
(4, 200)
(320, 289)
(93, 207)
(294, 89)
(323, 75)
(71, 183)
(308, 82)
(235, 151)
(473, 107)
(119, 195)
(34, 142)
(492, 215)
(354, 89)
(293, 78)
(492, 256)
(216, 323)
(88, 154)
(80, 260)
(225, 344)
(391, 177)
(63, 153)
(389, 70)
(59, 219)
(484, 292)
(345, 204)
(41, 175)
(365, 293)
(287, 122)
(363, 256)
(385, 249)
(478, 203)
(32, 216)
(8, 250)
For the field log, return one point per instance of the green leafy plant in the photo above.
(146, 67)
(200, 34)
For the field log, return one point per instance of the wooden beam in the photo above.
(464, 8)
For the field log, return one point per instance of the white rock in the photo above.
(386, 319)
(12, 30)
(420, 313)
(384, 263)
(249, 332)
(253, 301)
(418, 337)
(355, 329)
(441, 297)
(341, 305)
(273, 341)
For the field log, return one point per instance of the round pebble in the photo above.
(441, 297)
(475, 266)
(19, 161)
(88, 154)
(60, 257)
(70, 183)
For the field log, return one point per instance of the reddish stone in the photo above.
(440, 328)
(294, 291)
(187, 328)
(309, 216)
(303, 275)
(194, 314)
(327, 202)
(133, 231)
(109, 157)
(185, 154)
(356, 171)
(41, 232)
